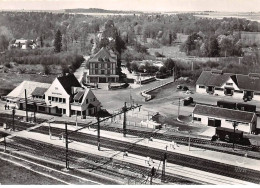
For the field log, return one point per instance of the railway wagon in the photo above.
(246, 107)
(226, 104)
(226, 134)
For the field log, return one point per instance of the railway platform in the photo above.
(158, 144)
(196, 175)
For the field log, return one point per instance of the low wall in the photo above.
(146, 92)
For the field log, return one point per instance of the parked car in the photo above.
(185, 88)
(179, 87)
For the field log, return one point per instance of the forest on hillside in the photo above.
(132, 36)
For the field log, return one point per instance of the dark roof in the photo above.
(69, 81)
(103, 54)
(39, 91)
(225, 113)
(208, 78)
(79, 95)
(248, 83)
(91, 105)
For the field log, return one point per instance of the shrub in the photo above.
(8, 65)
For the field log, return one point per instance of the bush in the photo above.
(8, 65)
(157, 54)
(46, 69)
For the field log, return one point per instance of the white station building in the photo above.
(64, 96)
(227, 84)
(222, 117)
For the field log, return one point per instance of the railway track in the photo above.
(195, 142)
(92, 162)
(176, 158)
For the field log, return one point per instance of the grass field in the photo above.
(168, 51)
(13, 175)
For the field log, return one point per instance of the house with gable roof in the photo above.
(64, 96)
(102, 67)
(239, 86)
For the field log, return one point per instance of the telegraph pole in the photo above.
(179, 106)
(26, 105)
(163, 167)
(13, 112)
(5, 143)
(124, 122)
(34, 114)
(98, 132)
(67, 146)
(152, 174)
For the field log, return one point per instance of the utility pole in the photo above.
(67, 146)
(234, 125)
(98, 132)
(179, 106)
(26, 105)
(189, 140)
(13, 112)
(5, 143)
(152, 174)
(34, 115)
(124, 122)
(164, 166)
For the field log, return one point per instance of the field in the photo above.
(168, 51)
(9, 81)
(12, 175)
(219, 15)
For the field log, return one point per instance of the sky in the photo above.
(143, 5)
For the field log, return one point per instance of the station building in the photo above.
(64, 96)
(102, 67)
(222, 117)
(227, 84)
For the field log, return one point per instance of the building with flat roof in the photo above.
(235, 85)
(102, 67)
(223, 117)
(64, 96)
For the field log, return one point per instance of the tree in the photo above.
(3, 43)
(169, 64)
(213, 47)
(41, 41)
(58, 42)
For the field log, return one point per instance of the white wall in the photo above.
(224, 123)
(200, 90)
(256, 97)
(56, 90)
(233, 84)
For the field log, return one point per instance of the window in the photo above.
(256, 93)
(86, 101)
(201, 86)
(108, 72)
(229, 84)
(219, 89)
(102, 65)
(64, 100)
(56, 99)
(60, 99)
(108, 65)
(64, 111)
(102, 71)
(196, 119)
(96, 65)
(49, 98)
(94, 99)
(96, 71)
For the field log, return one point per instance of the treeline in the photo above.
(76, 28)
(67, 60)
